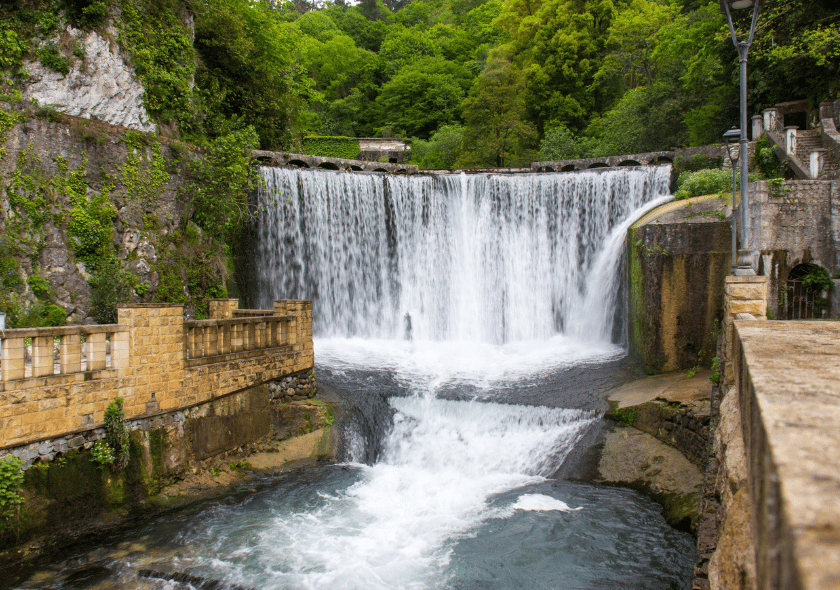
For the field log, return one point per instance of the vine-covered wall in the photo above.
(332, 147)
(93, 215)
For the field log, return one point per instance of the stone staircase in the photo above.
(812, 154)
(809, 141)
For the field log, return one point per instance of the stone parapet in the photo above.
(157, 363)
(787, 376)
(743, 295)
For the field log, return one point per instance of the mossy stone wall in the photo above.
(678, 259)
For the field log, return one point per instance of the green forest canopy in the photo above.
(473, 82)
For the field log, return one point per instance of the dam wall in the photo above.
(678, 257)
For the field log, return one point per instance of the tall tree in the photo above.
(497, 133)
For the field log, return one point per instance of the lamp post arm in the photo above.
(754, 21)
(729, 22)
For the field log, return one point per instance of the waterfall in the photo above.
(480, 258)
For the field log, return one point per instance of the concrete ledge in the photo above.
(788, 375)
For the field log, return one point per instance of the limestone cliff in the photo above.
(101, 84)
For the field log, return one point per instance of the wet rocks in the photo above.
(298, 387)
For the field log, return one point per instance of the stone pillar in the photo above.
(96, 351)
(757, 127)
(744, 295)
(299, 329)
(156, 356)
(790, 140)
(816, 162)
(14, 366)
(771, 119)
(222, 309)
(71, 353)
(42, 356)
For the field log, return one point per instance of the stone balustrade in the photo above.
(157, 363)
(215, 340)
(79, 349)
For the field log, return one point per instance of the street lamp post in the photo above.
(743, 47)
(730, 137)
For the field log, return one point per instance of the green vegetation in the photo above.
(708, 182)
(333, 147)
(715, 376)
(116, 434)
(625, 417)
(550, 79)
(11, 495)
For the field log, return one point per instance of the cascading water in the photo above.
(510, 287)
(482, 258)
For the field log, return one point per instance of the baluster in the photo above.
(96, 351)
(42, 356)
(224, 339)
(259, 336)
(70, 354)
(14, 366)
(235, 337)
(211, 340)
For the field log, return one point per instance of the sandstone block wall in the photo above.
(149, 370)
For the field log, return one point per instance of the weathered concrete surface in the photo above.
(678, 415)
(638, 460)
(788, 376)
(678, 257)
(657, 455)
(306, 161)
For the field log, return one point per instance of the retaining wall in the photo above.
(158, 364)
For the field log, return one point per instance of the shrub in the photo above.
(626, 416)
(50, 57)
(707, 182)
(102, 454)
(766, 160)
(110, 286)
(11, 497)
(41, 314)
(116, 434)
(39, 286)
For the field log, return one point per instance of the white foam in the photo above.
(542, 503)
(428, 364)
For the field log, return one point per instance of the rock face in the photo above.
(101, 86)
(635, 459)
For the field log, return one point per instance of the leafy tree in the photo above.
(796, 53)
(497, 133)
(560, 46)
(441, 151)
(632, 39)
(424, 95)
(217, 196)
(560, 144)
(401, 47)
(246, 76)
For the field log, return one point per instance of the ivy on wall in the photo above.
(160, 46)
(331, 146)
